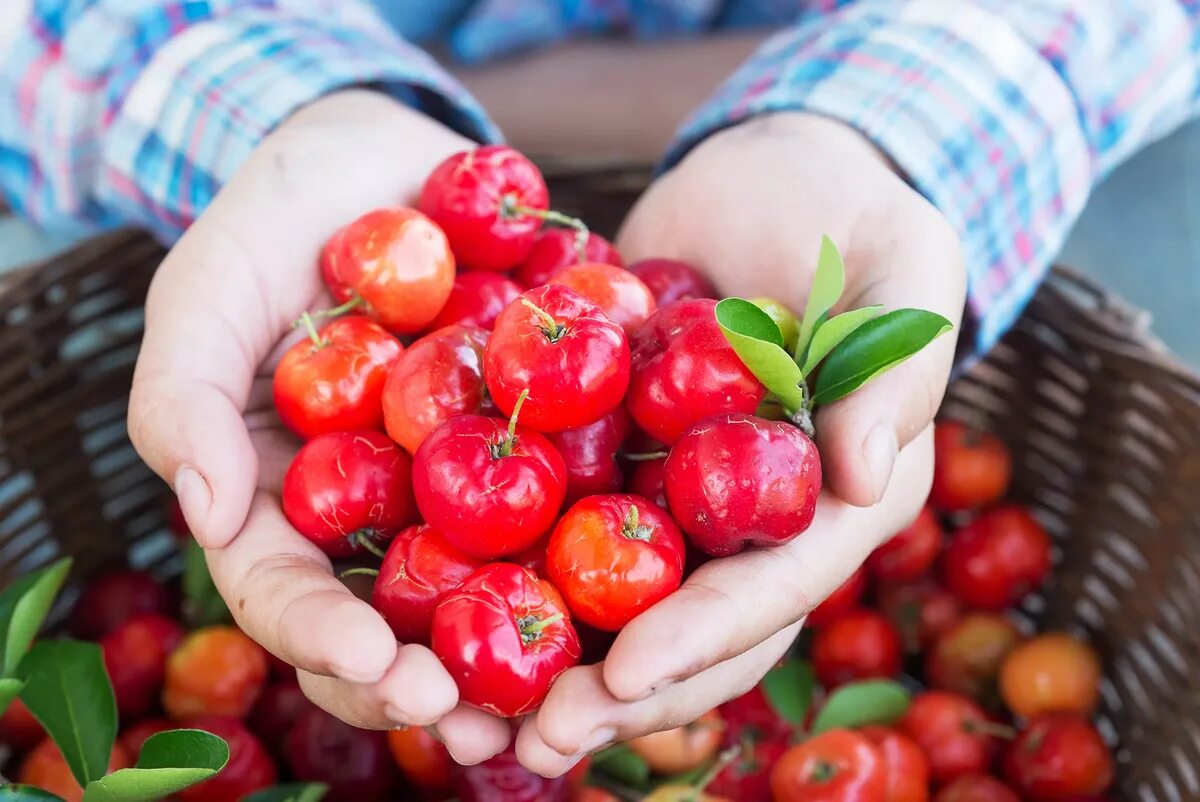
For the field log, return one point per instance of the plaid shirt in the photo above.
(1004, 113)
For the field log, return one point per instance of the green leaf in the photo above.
(68, 692)
(169, 762)
(292, 792)
(202, 604)
(621, 763)
(874, 348)
(827, 285)
(861, 703)
(23, 608)
(9, 689)
(831, 332)
(758, 343)
(26, 793)
(789, 689)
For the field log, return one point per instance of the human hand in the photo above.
(218, 318)
(749, 207)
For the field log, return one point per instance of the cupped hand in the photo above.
(749, 207)
(218, 317)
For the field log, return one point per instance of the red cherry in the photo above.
(347, 491)
(621, 294)
(276, 712)
(967, 657)
(135, 655)
(422, 759)
(970, 468)
(249, 769)
(1059, 755)
(903, 762)
(835, 766)
(996, 559)
(752, 713)
(504, 636)
(504, 779)
(910, 552)
(555, 248)
(671, 280)
(534, 558)
(920, 610)
(476, 300)
(953, 732)
(136, 735)
(648, 479)
(356, 764)
(861, 644)
(571, 357)
(748, 777)
(110, 599)
(397, 262)
(590, 454)
(417, 572)
(482, 199)
(614, 556)
(735, 480)
(684, 370)
(843, 600)
(976, 788)
(18, 728)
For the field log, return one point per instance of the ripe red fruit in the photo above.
(133, 738)
(904, 765)
(996, 559)
(614, 556)
(356, 764)
(18, 728)
(348, 491)
(734, 480)
(953, 732)
(748, 777)
(555, 249)
(1051, 673)
(481, 199)
(590, 454)
(135, 655)
(504, 779)
(671, 280)
(967, 657)
(504, 636)
(336, 384)
(970, 468)
(861, 644)
(216, 670)
(476, 300)
(249, 769)
(843, 600)
(1059, 755)
(276, 712)
(438, 377)
(976, 788)
(910, 552)
(492, 488)
(920, 610)
(45, 768)
(753, 714)
(111, 598)
(418, 570)
(571, 357)
(647, 480)
(835, 766)
(421, 758)
(683, 748)
(397, 261)
(684, 370)
(621, 294)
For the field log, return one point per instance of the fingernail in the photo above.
(194, 496)
(879, 450)
(597, 739)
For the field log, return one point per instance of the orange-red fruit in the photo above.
(967, 657)
(950, 729)
(422, 758)
(996, 559)
(904, 764)
(135, 656)
(976, 788)
(1051, 673)
(18, 728)
(45, 768)
(835, 766)
(970, 469)
(683, 748)
(861, 644)
(249, 769)
(910, 552)
(1059, 756)
(215, 671)
(843, 600)
(622, 295)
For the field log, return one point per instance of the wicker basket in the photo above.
(1105, 429)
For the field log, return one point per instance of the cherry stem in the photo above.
(823, 772)
(991, 728)
(646, 456)
(550, 326)
(358, 572)
(802, 418)
(510, 208)
(530, 629)
(723, 760)
(337, 311)
(305, 321)
(506, 448)
(631, 530)
(363, 541)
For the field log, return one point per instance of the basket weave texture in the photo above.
(1104, 427)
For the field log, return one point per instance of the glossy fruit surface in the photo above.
(734, 480)
(967, 657)
(684, 370)
(910, 552)
(504, 636)
(621, 294)
(683, 748)
(614, 556)
(835, 766)
(216, 670)
(648, 481)
(345, 488)
(418, 570)
(920, 610)
(784, 318)
(356, 764)
(672, 280)
(748, 777)
(1051, 673)
(421, 757)
(843, 600)
(135, 656)
(111, 598)
(249, 769)
(970, 468)
(861, 644)
(571, 357)
(976, 788)
(397, 261)
(476, 300)
(904, 765)
(45, 768)
(488, 492)
(952, 731)
(996, 559)
(555, 248)
(336, 384)
(438, 377)
(504, 779)
(276, 712)
(1059, 755)
(590, 455)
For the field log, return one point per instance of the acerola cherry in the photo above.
(784, 318)
(753, 714)
(556, 248)
(421, 758)
(970, 468)
(748, 777)
(621, 294)
(111, 598)
(135, 736)
(534, 558)
(491, 488)
(967, 657)
(920, 610)
(861, 644)
(396, 263)
(135, 655)
(476, 300)
(571, 357)
(976, 788)
(910, 552)
(681, 749)
(504, 636)
(216, 670)
(671, 280)
(684, 370)
(249, 769)
(1059, 755)
(45, 768)
(356, 764)
(349, 491)
(835, 766)
(734, 480)
(647, 480)
(438, 377)
(18, 728)
(953, 732)
(904, 765)
(590, 454)
(333, 380)
(996, 559)
(1052, 673)
(614, 556)
(488, 201)
(843, 600)
(504, 779)
(418, 570)
(276, 712)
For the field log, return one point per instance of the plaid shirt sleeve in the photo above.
(1004, 113)
(137, 111)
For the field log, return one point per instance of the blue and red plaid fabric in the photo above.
(1004, 113)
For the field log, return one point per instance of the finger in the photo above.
(723, 609)
(580, 716)
(473, 736)
(282, 592)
